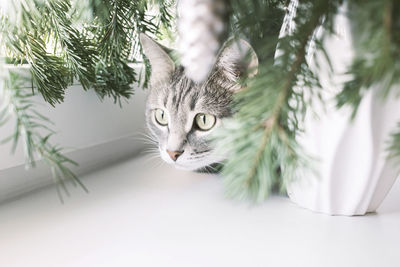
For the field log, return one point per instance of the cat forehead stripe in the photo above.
(182, 100)
(181, 89)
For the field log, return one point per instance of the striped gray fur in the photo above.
(181, 99)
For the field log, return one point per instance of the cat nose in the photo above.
(174, 155)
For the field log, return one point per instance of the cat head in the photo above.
(181, 114)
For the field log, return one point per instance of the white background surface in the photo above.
(94, 132)
(141, 215)
(83, 120)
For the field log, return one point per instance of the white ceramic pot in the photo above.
(354, 172)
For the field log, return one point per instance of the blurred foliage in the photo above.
(261, 137)
(376, 32)
(260, 22)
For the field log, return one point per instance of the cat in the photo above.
(181, 114)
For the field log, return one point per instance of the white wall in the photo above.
(96, 133)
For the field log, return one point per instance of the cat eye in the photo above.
(161, 117)
(205, 121)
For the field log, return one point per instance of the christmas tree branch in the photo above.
(118, 38)
(261, 138)
(97, 54)
(394, 144)
(260, 22)
(271, 123)
(79, 53)
(376, 27)
(33, 129)
(113, 75)
(48, 71)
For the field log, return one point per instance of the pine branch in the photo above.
(32, 128)
(97, 54)
(113, 75)
(394, 144)
(166, 18)
(79, 53)
(261, 138)
(273, 121)
(48, 71)
(119, 41)
(376, 27)
(260, 22)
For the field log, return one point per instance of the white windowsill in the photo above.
(138, 214)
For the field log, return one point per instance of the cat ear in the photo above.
(162, 65)
(237, 59)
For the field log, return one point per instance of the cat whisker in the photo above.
(150, 149)
(144, 137)
(151, 155)
(159, 163)
(152, 159)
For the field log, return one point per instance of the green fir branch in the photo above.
(261, 137)
(49, 73)
(80, 53)
(394, 144)
(33, 131)
(113, 74)
(260, 22)
(376, 35)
